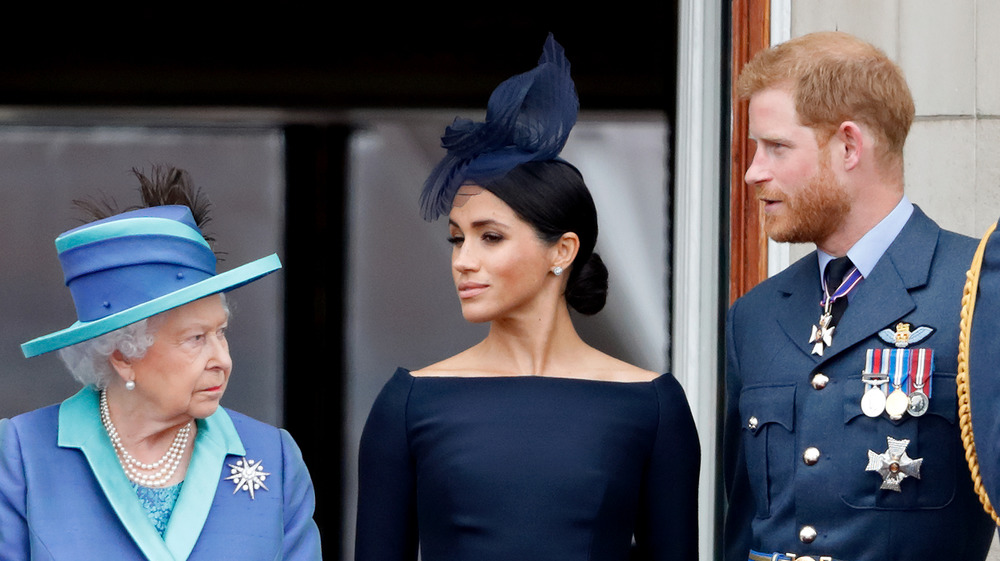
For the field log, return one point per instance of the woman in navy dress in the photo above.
(531, 444)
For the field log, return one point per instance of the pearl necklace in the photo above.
(134, 468)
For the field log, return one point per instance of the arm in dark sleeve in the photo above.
(667, 526)
(740, 503)
(387, 522)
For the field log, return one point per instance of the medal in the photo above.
(897, 402)
(918, 404)
(918, 398)
(894, 465)
(898, 380)
(873, 398)
(873, 401)
(821, 335)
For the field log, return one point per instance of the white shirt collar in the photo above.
(870, 248)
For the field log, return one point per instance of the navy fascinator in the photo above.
(528, 118)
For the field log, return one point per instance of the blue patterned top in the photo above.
(158, 503)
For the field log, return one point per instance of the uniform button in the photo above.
(811, 456)
(807, 534)
(820, 380)
(752, 423)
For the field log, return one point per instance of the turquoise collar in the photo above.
(80, 427)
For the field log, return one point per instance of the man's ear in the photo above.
(854, 144)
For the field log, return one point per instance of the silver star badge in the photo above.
(894, 465)
(248, 475)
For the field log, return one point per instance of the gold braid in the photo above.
(962, 379)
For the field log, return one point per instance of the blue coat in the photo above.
(773, 492)
(63, 494)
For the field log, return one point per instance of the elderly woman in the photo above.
(531, 444)
(142, 463)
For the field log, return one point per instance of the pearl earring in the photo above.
(557, 270)
(130, 385)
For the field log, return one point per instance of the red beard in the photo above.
(812, 214)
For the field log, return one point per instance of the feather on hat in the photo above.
(528, 118)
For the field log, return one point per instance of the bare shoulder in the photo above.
(586, 363)
(636, 374)
(437, 369)
(601, 366)
(461, 364)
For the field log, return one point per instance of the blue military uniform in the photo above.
(798, 445)
(982, 315)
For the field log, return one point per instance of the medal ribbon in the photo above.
(901, 367)
(850, 282)
(877, 362)
(885, 366)
(870, 361)
(922, 366)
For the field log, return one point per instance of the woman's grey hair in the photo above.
(90, 361)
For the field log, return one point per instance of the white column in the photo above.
(695, 331)
(779, 254)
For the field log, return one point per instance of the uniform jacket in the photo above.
(63, 494)
(773, 493)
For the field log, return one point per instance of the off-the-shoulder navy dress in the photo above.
(526, 468)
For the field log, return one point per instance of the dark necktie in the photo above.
(835, 272)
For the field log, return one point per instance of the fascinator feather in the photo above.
(128, 266)
(528, 118)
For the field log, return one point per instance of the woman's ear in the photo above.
(122, 366)
(565, 250)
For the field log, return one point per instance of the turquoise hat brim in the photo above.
(222, 282)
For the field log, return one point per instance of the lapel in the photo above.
(881, 299)
(80, 427)
(799, 297)
(216, 439)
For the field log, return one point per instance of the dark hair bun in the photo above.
(587, 291)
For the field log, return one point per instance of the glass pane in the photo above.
(43, 169)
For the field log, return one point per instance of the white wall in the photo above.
(948, 52)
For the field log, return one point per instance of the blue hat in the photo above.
(134, 265)
(978, 379)
(528, 118)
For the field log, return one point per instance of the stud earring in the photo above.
(130, 385)
(557, 270)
